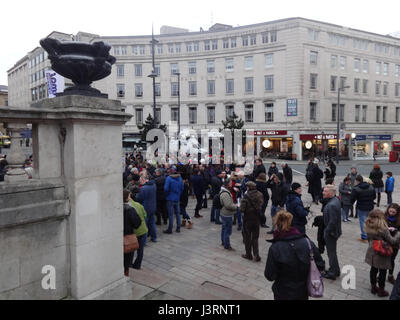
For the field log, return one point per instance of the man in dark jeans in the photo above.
(333, 230)
(198, 190)
(216, 183)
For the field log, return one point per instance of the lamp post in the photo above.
(153, 75)
(179, 102)
(338, 122)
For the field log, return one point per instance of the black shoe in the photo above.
(167, 231)
(270, 232)
(218, 222)
(158, 223)
(165, 222)
(264, 226)
(328, 275)
(234, 223)
(213, 220)
(239, 229)
(178, 230)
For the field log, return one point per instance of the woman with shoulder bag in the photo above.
(131, 221)
(378, 255)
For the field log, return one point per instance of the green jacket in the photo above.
(142, 214)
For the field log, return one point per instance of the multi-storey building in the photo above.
(281, 77)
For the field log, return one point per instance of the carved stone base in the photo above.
(16, 175)
(82, 90)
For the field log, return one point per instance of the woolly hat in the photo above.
(295, 186)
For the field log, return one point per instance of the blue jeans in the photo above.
(345, 213)
(215, 215)
(226, 231)
(239, 217)
(138, 262)
(389, 197)
(173, 208)
(151, 225)
(185, 216)
(362, 216)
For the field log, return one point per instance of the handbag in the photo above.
(382, 248)
(315, 286)
(131, 243)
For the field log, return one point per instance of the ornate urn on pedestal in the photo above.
(81, 62)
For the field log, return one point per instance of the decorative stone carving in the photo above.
(81, 62)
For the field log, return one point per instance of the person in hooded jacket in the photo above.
(376, 176)
(278, 194)
(147, 197)
(389, 186)
(365, 195)
(261, 184)
(295, 206)
(288, 261)
(314, 175)
(173, 188)
(345, 198)
(250, 206)
(272, 169)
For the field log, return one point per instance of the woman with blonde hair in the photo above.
(377, 230)
(288, 261)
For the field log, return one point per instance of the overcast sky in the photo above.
(24, 22)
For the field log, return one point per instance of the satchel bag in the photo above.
(131, 243)
(315, 286)
(382, 248)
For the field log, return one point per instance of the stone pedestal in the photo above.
(16, 157)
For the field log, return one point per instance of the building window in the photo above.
(174, 68)
(384, 113)
(397, 114)
(378, 67)
(365, 66)
(158, 116)
(342, 63)
(174, 89)
(269, 83)
(313, 57)
(210, 86)
(248, 63)
(215, 44)
(192, 115)
(333, 61)
(248, 83)
(356, 85)
(378, 113)
(397, 70)
(170, 48)
(364, 113)
(120, 70)
(139, 116)
(192, 88)
(357, 113)
(245, 41)
(334, 112)
(396, 89)
(116, 50)
(233, 42)
(174, 114)
(157, 69)
(248, 113)
(274, 36)
(138, 70)
(178, 47)
(357, 63)
(160, 49)
(385, 88)
(207, 45)
(210, 66)
(269, 60)
(343, 82)
(253, 39)
(229, 111)
(139, 90)
(120, 90)
(230, 86)
(225, 43)
(229, 67)
(377, 87)
(188, 47)
(141, 50)
(210, 114)
(269, 112)
(333, 83)
(313, 81)
(192, 67)
(158, 90)
(313, 111)
(265, 37)
(365, 86)
(385, 69)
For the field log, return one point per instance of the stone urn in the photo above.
(81, 62)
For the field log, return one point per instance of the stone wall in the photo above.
(33, 234)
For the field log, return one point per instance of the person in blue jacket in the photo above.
(295, 206)
(173, 188)
(389, 186)
(148, 199)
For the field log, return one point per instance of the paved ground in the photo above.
(191, 265)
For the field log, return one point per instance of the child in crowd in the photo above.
(389, 186)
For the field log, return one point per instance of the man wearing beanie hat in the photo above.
(295, 206)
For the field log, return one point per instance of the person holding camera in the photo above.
(294, 205)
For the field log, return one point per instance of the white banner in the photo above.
(55, 83)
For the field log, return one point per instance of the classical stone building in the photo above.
(281, 77)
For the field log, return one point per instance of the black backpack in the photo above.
(217, 200)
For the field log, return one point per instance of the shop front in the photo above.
(372, 146)
(323, 146)
(274, 144)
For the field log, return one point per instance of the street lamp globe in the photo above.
(353, 135)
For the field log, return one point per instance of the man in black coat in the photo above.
(162, 211)
(198, 190)
(333, 229)
(260, 168)
(216, 183)
(314, 175)
(279, 192)
(287, 174)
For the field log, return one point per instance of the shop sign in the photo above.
(396, 143)
(291, 107)
(363, 137)
(317, 136)
(270, 132)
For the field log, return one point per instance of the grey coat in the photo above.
(345, 194)
(332, 218)
(373, 258)
(228, 206)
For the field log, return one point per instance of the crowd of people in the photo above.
(159, 193)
